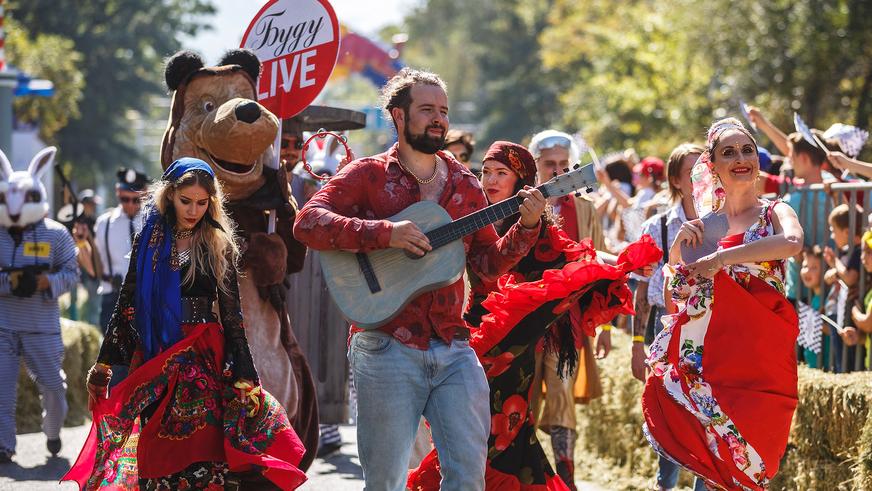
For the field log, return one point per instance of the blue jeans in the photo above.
(397, 384)
(667, 476)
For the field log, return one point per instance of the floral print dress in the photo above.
(179, 421)
(723, 386)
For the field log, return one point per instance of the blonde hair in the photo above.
(212, 249)
(673, 167)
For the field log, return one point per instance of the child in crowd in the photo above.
(648, 178)
(844, 272)
(810, 273)
(863, 317)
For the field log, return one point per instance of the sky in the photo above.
(233, 16)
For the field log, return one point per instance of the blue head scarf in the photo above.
(158, 299)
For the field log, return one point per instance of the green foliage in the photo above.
(52, 58)
(647, 74)
(123, 43)
(488, 54)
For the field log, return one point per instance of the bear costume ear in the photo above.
(244, 58)
(180, 66)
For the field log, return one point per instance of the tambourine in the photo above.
(322, 133)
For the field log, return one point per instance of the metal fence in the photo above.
(815, 204)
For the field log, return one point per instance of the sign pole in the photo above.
(277, 163)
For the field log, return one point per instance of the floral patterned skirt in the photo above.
(723, 384)
(195, 419)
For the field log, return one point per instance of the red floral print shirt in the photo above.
(349, 213)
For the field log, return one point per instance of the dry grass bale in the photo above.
(81, 345)
(805, 473)
(830, 443)
(610, 428)
(831, 414)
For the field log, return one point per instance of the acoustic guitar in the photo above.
(371, 288)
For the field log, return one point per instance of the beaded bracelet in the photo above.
(638, 339)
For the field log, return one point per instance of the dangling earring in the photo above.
(718, 193)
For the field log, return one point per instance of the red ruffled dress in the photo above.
(557, 274)
(723, 384)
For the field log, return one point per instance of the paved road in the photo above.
(33, 470)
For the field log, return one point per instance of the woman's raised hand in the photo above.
(691, 232)
(98, 384)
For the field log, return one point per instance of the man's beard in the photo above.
(425, 143)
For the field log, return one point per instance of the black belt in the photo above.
(460, 333)
(196, 310)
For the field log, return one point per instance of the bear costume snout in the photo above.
(247, 112)
(236, 143)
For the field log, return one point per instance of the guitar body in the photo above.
(400, 278)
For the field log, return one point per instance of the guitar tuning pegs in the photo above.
(554, 173)
(589, 190)
(576, 166)
(577, 194)
(566, 170)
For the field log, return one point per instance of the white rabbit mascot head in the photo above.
(23, 199)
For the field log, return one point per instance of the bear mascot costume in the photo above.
(215, 117)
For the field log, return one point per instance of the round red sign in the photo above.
(297, 41)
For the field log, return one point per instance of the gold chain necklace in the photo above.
(421, 181)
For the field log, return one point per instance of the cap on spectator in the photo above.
(765, 159)
(88, 196)
(650, 166)
(131, 180)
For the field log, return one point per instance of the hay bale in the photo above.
(81, 345)
(610, 428)
(802, 472)
(831, 414)
(830, 441)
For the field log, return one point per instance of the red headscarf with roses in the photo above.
(515, 157)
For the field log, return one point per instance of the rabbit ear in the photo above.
(42, 162)
(5, 166)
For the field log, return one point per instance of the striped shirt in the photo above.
(45, 243)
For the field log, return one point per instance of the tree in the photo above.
(489, 54)
(52, 58)
(123, 43)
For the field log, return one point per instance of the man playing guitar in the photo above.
(420, 362)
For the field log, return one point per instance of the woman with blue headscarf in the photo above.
(191, 414)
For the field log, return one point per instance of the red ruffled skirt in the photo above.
(734, 432)
(198, 418)
(520, 314)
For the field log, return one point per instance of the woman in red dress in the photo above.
(509, 318)
(723, 384)
(191, 414)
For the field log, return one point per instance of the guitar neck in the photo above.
(474, 221)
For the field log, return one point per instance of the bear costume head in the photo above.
(215, 117)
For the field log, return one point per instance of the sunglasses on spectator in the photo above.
(554, 141)
(463, 157)
(128, 199)
(298, 144)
